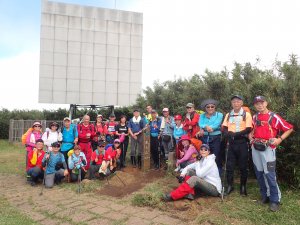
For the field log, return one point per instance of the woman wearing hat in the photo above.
(111, 158)
(210, 125)
(187, 154)
(33, 135)
(202, 175)
(52, 135)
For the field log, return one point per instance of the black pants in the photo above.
(124, 147)
(237, 153)
(154, 145)
(92, 170)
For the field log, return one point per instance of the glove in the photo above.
(84, 162)
(78, 166)
(180, 179)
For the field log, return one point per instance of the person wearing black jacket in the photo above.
(236, 127)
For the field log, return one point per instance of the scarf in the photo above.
(136, 120)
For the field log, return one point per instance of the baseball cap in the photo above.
(67, 118)
(136, 110)
(190, 105)
(259, 99)
(165, 110)
(153, 111)
(117, 140)
(236, 96)
(99, 116)
(55, 144)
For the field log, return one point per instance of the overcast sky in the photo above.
(180, 38)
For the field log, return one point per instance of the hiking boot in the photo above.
(230, 189)
(156, 167)
(243, 190)
(167, 198)
(189, 197)
(264, 201)
(274, 207)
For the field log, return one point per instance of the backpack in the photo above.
(197, 143)
(24, 136)
(243, 115)
(90, 127)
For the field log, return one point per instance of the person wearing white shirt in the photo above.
(52, 135)
(202, 175)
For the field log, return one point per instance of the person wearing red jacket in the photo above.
(97, 159)
(34, 165)
(86, 132)
(111, 129)
(101, 131)
(111, 158)
(190, 124)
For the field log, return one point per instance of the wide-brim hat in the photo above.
(36, 124)
(209, 101)
(54, 124)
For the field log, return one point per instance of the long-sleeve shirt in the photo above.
(207, 169)
(75, 161)
(35, 160)
(155, 127)
(190, 154)
(68, 137)
(214, 121)
(136, 124)
(55, 157)
(178, 132)
(167, 128)
(31, 139)
(99, 155)
(50, 137)
(191, 120)
(83, 131)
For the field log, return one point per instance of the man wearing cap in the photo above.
(135, 128)
(69, 137)
(210, 125)
(236, 127)
(86, 132)
(154, 124)
(52, 135)
(265, 138)
(190, 124)
(167, 129)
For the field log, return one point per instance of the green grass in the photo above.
(12, 160)
(11, 216)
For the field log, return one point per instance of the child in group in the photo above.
(96, 159)
(178, 129)
(55, 166)
(34, 165)
(76, 162)
(111, 159)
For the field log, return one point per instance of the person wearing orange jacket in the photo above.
(190, 124)
(86, 132)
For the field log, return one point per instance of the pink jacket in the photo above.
(188, 155)
(31, 139)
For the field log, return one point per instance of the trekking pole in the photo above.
(120, 179)
(79, 181)
(42, 189)
(224, 176)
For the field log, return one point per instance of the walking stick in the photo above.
(224, 176)
(79, 181)
(41, 193)
(120, 179)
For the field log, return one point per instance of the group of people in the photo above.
(101, 148)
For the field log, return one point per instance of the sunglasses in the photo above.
(37, 126)
(204, 149)
(210, 107)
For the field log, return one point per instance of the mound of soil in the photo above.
(125, 182)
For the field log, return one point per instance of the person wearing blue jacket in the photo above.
(70, 137)
(77, 161)
(210, 129)
(155, 124)
(178, 129)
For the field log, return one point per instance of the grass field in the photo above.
(233, 210)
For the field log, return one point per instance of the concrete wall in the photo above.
(89, 55)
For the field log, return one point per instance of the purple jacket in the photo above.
(188, 155)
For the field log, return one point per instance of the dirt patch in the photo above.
(130, 180)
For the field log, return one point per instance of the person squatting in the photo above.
(96, 150)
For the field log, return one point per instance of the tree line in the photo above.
(279, 84)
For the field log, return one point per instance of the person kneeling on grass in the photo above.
(111, 159)
(34, 164)
(76, 162)
(55, 166)
(202, 175)
(96, 159)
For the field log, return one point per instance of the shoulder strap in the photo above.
(271, 115)
(47, 134)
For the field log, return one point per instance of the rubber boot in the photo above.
(183, 190)
(243, 190)
(139, 162)
(230, 187)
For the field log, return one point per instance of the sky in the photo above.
(180, 38)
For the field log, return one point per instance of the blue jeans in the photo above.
(35, 173)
